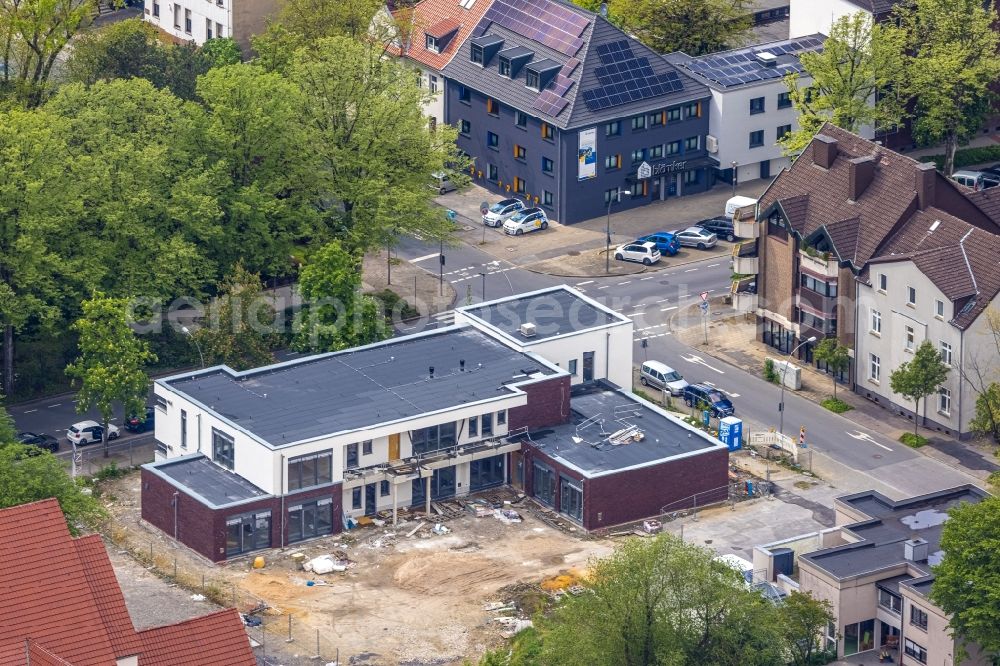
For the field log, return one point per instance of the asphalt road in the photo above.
(650, 299)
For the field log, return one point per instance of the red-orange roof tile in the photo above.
(432, 17)
(218, 639)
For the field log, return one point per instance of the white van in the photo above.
(736, 203)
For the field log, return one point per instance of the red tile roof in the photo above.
(437, 18)
(62, 604)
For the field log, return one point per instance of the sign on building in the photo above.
(587, 167)
(645, 171)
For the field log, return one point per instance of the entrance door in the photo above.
(371, 497)
(588, 366)
(442, 486)
(765, 169)
(394, 447)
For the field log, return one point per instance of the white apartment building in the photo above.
(750, 108)
(201, 20)
(940, 291)
(808, 17)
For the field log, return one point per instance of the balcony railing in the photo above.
(410, 465)
(745, 225)
(745, 258)
(824, 264)
(744, 295)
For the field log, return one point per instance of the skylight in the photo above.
(466, 4)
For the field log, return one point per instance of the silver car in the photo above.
(696, 237)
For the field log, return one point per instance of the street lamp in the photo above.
(186, 331)
(735, 164)
(607, 245)
(781, 403)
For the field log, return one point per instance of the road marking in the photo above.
(28, 411)
(580, 284)
(672, 307)
(650, 277)
(697, 360)
(424, 258)
(691, 270)
(865, 437)
(651, 327)
(58, 404)
(408, 328)
(624, 283)
(605, 286)
(662, 300)
(712, 265)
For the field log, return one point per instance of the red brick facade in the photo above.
(203, 529)
(548, 405)
(632, 495)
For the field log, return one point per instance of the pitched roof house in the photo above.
(63, 605)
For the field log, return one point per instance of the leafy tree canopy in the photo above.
(920, 377)
(238, 328)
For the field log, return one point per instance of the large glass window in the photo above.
(473, 426)
(570, 498)
(859, 637)
(433, 438)
(223, 449)
(248, 532)
(312, 470)
(310, 519)
(543, 484)
(890, 601)
(442, 486)
(918, 617)
(486, 473)
(352, 457)
(828, 289)
(915, 651)
(487, 425)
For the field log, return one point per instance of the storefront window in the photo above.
(571, 498)
(859, 637)
(544, 484)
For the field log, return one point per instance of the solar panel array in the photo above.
(543, 21)
(570, 66)
(624, 78)
(735, 68)
(551, 103)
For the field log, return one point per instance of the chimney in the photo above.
(824, 150)
(925, 176)
(461, 364)
(861, 175)
(431, 372)
(915, 550)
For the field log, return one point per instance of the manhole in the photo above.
(574, 253)
(511, 249)
(466, 227)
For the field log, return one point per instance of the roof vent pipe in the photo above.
(461, 364)
(603, 11)
(431, 372)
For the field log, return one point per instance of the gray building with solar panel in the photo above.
(560, 108)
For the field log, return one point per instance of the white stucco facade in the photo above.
(890, 329)
(201, 20)
(812, 16)
(432, 81)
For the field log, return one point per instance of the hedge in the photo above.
(967, 156)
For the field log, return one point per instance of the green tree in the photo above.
(29, 474)
(7, 429)
(336, 314)
(112, 361)
(803, 622)
(987, 418)
(240, 323)
(222, 51)
(952, 66)
(374, 144)
(693, 26)
(121, 50)
(272, 176)
(32, 35)
(836, 356)
(37, 226)
(967, 581)
(920, 377)
(860, 60)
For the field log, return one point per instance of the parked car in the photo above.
(140, 424)
(720, 226)
(696, 237)
(41, 441)
(666, 243)
(89, 432)
(661, 376)
(502, 211)
(974, 179)
(529, 219)
(441, 182)
(644, 253)
(712, 398)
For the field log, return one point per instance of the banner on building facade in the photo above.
(587, 167)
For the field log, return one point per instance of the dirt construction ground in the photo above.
(403, 600)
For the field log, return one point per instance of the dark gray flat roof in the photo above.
(358, 388)
(217, 485)
(892, 523)
(554, 312)
(600, 409)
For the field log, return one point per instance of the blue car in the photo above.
(665, 242)
(710, 398)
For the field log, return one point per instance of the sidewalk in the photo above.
(578, 250)
(731, 338)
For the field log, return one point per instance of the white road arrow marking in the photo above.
(697, 360)
(423, 258)
(865, 437)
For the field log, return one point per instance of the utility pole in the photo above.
(441, 270)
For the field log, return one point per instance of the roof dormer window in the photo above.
(504, 67)
(539, 74)
(431, 43)
(477, 54)
(531, 79)
(482, 49)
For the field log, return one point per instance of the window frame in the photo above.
(473, 426)
(784, 100)
(757, 105)
(943, 349)
(909, 337)
(464, 95)
(697, 143)
(492, 140)
(944, 401)
(915, 615)
(874, 367)
(614, 128)
(915, 650)
(638, 123)
(464, 127)
(219, 449)
(571, 367)
(782, 131)
(675, 114)
(911, 296)
(875, 321)
(298, 479)
(547, 198)
(520, 119)
(548, 165)
(520, 152)
(756, 134)
(431, 43)
(939, 308)
(883, 282)
(532, 77)
(477, 55)
(503, 67)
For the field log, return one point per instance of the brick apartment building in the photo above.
(844, 202)
(520, 391)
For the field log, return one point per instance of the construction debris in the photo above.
(507, 516)
(652, 526)
(324, 564)
(440, 529)
(415, 529)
